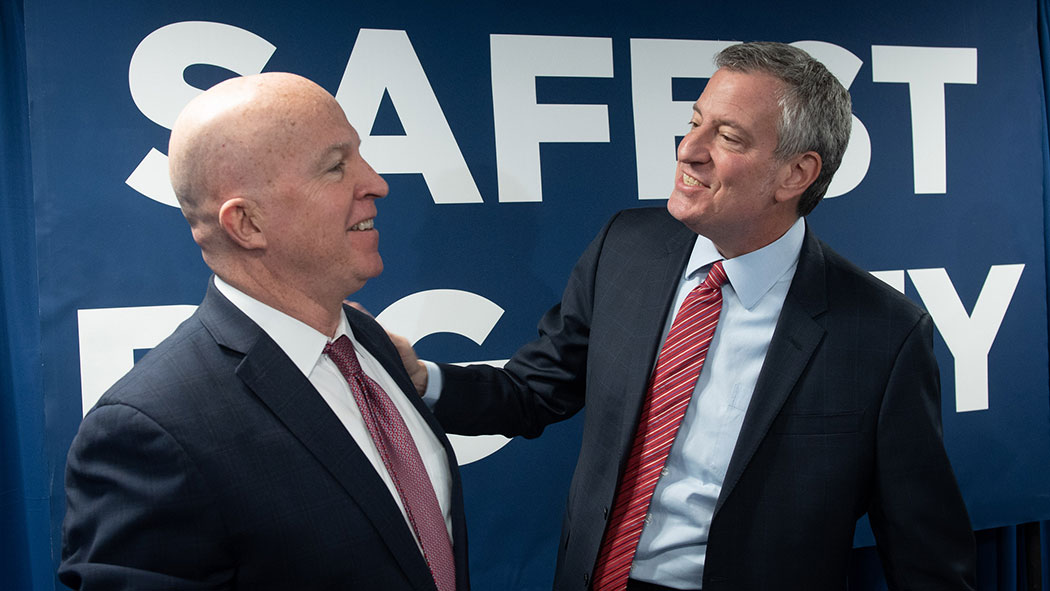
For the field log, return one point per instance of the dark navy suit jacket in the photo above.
(845, 418)
(215, 464)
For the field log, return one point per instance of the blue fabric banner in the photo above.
(508, 136)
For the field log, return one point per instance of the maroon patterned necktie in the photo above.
(670, 389)
(402, 461)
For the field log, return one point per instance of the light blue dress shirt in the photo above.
(673, 545)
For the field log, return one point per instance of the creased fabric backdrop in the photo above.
(508, 135)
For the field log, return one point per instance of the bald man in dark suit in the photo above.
(269, 443)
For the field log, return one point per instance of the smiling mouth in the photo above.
(690, 181)
(362, 226)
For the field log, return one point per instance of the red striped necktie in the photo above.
(667, 398)
(403, 463)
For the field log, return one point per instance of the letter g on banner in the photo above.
(160, 91)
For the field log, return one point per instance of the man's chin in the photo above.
(687, 213)
(679, 207)
(376, 269)
(362, 274)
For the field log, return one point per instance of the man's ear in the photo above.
(801, 171)
(239, 219)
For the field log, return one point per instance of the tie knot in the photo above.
(715, 277)
(341, 351)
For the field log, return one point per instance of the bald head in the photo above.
(269, 174)
(230, 141)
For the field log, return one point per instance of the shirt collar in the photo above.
(752, 274)
(299, 341)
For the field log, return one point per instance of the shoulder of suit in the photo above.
(647, 223)
(165, 370)
(844, 276)
(649, 215)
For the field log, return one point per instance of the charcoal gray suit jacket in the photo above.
(215, 464)
(845, 418)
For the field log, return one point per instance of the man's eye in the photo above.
(339, 167)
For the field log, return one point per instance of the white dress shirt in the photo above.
(304, 346)
(673, 544)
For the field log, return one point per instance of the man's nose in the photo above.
(693, 147)
(377, 186)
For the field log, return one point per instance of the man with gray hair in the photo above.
(274, 441)
(750, 394)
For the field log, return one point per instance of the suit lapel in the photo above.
(796, 337)
(271, 375)
(373, 337)
(658, 276)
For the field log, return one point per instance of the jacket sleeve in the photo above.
(917, 513)
(544, 382)
(138, 514)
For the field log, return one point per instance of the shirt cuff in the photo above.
(434, 382)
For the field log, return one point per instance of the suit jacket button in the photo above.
(605, 513)
(586, 578)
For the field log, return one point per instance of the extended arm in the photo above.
(544, 382)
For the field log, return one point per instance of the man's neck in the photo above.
(322, 316)
(739, 243)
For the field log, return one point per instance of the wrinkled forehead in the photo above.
(749, 95)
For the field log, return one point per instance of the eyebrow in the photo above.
(721, 122)
(342, 150)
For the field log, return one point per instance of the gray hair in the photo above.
(815, 110)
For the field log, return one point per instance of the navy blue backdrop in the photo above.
(508, 136)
